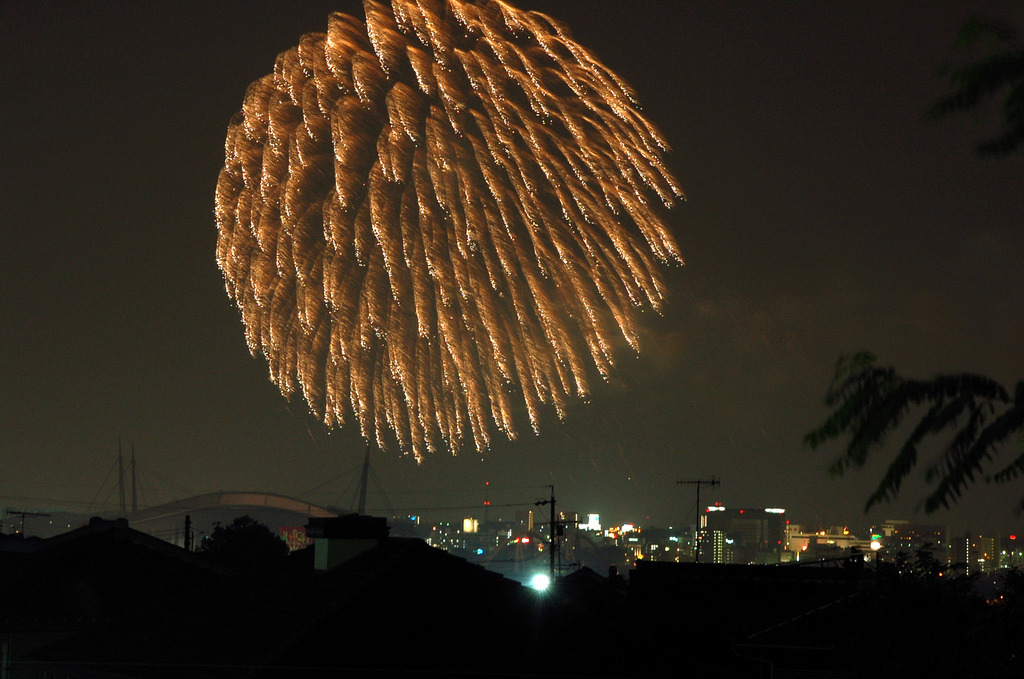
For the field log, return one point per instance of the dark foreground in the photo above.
(108, 601)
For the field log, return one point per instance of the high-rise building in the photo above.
(987, 553)
(744, 535)
(977, 553)
(525, 518)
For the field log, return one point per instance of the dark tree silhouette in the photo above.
(870, 403)
(992, 66)
(246, 544)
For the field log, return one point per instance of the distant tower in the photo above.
(487, 501)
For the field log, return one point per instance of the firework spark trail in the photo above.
(437, 214)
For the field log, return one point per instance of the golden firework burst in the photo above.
(438, 215)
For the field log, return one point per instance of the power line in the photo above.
(53, 502)
(474, 506)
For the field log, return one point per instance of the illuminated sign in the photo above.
(295, 537)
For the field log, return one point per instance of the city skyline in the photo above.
(35, 512)
(825, 216)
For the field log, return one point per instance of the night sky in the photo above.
(825, 215)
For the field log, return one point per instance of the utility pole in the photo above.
(120, 478)
(188, 533)
(698, 483)
(135, 498)
(551, 529)
(11, 512)
(362, 485)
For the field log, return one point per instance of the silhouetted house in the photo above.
(95, 580)
(342, 538)
(750, 621)
(401, 606)
(108, 601)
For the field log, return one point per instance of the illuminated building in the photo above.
(593, 523)
(525, 519)
(907, 537)
(672, 545)
(743, 535)
(719, 553)
(835, 542)
(447, 536)
(1011, 553)
(978, 554)
(988, 553)
(634, 546)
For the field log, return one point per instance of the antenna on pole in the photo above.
(698, 533)
(13, 512)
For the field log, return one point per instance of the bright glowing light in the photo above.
(436, 217)
(876, 545)
(540, 582)
(775, 510)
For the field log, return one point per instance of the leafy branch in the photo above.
(869, 404)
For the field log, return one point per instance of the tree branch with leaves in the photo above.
(992, 66)
(871, 403)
